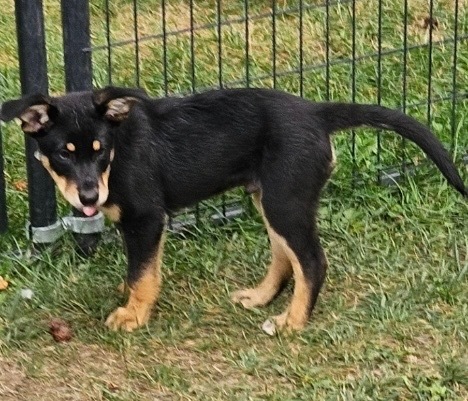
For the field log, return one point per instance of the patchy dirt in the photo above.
(79, 372)
(11, 379)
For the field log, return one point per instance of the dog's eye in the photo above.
(64, 154)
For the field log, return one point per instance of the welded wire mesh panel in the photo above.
(398, 53)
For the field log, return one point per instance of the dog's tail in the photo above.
(340, 116)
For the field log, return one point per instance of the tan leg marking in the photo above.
(295, 317)
(279, 270)
(284, 264)
(143, 295)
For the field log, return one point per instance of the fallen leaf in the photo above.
(60, 330)
(21, 185)
(112, 386)
(429, 22)
(3, 284)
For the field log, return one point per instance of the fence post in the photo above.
(78, 76)
(43, 224)
(76, 37)
(3, 212)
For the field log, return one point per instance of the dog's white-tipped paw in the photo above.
(283, 323)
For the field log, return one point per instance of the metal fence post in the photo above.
(78, 76)
(3, 211)
(76, 37)
(43, 224)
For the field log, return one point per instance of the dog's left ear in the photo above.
(35, 112)
(115, 103)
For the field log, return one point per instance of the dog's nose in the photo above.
(89, 197)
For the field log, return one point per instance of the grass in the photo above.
(392, 321)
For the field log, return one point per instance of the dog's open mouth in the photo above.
(89, 210)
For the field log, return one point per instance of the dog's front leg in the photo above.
(144, 239)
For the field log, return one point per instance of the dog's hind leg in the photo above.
(144, 239)
(279, 270)
(293, 221)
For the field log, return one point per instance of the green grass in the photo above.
(392, 319)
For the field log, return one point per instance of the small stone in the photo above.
(27, 293)
(269, 327)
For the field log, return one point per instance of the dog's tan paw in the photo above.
(284, 323)
(127, 319)
(250, 298)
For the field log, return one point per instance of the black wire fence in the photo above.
(393, 52)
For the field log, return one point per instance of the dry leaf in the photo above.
(21, 185)
(428, 22)
(60, 330)
(112, 386)
(3, 284)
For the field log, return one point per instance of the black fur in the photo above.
(173, 152)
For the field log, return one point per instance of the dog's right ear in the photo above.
(34, 111)
(115, 103)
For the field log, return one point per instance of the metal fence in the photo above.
(395, 52)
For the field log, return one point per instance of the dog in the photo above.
(138, 159)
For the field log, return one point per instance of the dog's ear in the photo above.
(35, 112)
(115, 103)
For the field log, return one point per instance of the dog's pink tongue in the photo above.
(89, 210)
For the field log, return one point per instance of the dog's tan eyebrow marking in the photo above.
(96, 145)
(71, 147)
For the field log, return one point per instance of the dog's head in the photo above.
(74, 137)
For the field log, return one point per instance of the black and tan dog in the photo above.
(138, 159)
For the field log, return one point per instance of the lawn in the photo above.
(392, 319)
